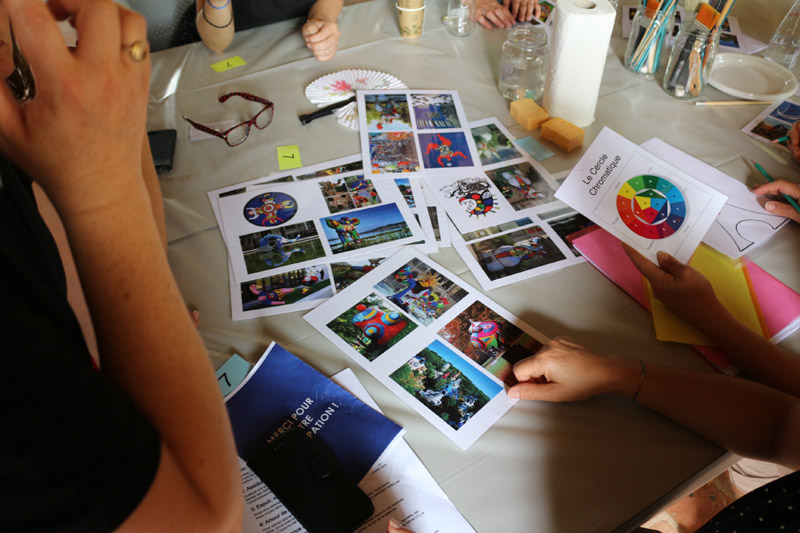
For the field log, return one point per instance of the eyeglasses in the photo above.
(238, 134)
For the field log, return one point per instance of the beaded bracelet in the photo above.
(208, 3)
(641, 380)
(203, 11)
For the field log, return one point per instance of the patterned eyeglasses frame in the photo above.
(260, 120)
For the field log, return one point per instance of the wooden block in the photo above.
(563, 134)
(529, 115)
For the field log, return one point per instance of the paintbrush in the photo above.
(706, 19)
(692, 6)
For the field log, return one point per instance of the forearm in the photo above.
(147, 343)
(215, 26)
(746, 418)
(153, 190)
(758, 358)
(326, 10)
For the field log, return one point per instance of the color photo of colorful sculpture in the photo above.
(521, 185)
(364, 228)
(446, 384)
(393, 152)
(445, 150)
(474, 196)
(515, 252)
(349, 193)
(270, 209)
(332, 171)
(287, 288)
(435, 111)
(493, 146)
(371, 327)
(387, 112)
(277, 247)
(420, 291)
(489, 340)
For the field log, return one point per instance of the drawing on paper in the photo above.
(420, 291)
(522, 185)
(445, 150)
(270, 209)
(490, 340)
(435, 111)
(735, 220)
(393, 152)
(446, 384)
(387, 112)
(287, 288)
(474, 195)
(371, 327)
(651, 207)
(277, 247)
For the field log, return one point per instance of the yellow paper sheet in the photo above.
(289, 157)
(227, 64)
(730, 282)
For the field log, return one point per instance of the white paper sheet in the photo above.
(743, 224)
(641, 199)
(442, 347)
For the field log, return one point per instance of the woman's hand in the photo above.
(564, 371)
(781, 187)
(322, 38)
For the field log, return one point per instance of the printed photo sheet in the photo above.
(414, 133)
(441, 346)
(277, 228)
(641, 199)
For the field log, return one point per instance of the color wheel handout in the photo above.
(651, 207)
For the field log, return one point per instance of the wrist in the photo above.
(222, 4)
(625, 376)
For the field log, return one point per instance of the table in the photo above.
(600, 465)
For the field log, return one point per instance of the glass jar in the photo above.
(690, 61)
(524, 63)
(460, 18)
(643, 53)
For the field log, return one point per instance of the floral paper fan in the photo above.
(342, 85)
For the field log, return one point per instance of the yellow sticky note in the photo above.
(289, 157)
(732, 287)
(227, 64)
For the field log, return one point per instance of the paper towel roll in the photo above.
(578, 48)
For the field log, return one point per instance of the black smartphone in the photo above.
(305, 476)
(162, 146)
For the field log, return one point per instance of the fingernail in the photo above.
(394, 523)
(662, 255)
(513, 394)
(770, 206)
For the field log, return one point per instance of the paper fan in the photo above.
(342, 85)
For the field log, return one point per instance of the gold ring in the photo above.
(137, 50)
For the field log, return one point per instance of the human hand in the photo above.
(684, 290)
(781, 187)
(564, 371)
(523, 10)
(85, 126)
(491, 14)
(794, 142)
(322, 38)
(395, 527)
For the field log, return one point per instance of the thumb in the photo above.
(782, 209)
(548, 392)
(669, 264)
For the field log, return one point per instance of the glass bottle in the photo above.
(460, 17)
(691, 59)
(784, 47)
(647, 63)
(524, 63)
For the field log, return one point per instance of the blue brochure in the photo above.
(282, 392)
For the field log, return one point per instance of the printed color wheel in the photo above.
(651, 207)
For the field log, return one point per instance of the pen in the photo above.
(789, 199)
(780, 140)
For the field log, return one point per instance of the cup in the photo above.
(460, 18)
(410, 20)
(410, 4)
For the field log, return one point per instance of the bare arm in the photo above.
(320, 31)
(688, 294)
(215, 26)
(153, 190)
(746, 418)
(146, 340)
